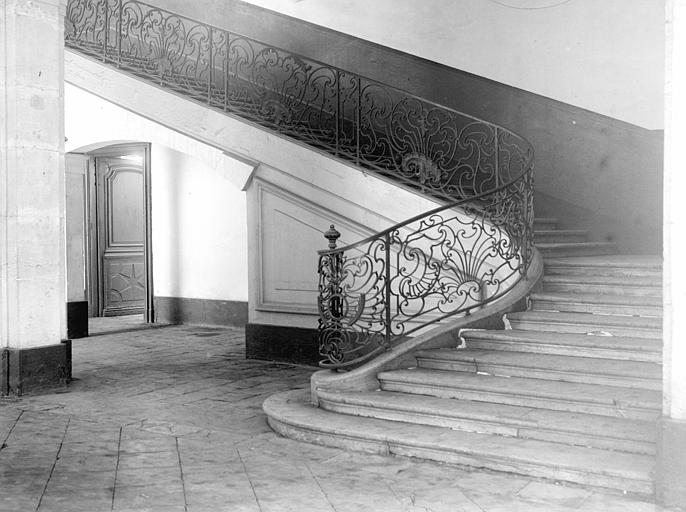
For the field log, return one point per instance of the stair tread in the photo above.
(587, 319)
(596, 298)
(546, 231)
(545, 220)
(614, 260)
(644, 282)
(519, 416)
(556, 390)
(547, 245)
(568, 339)
(488, 450)
(584, 365)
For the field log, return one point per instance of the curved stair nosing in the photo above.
(537, 372)
(289, 415)
(569, 303)
(497, 425)
(541, 394)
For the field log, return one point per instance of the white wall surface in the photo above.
(606, 56)
(199, 229)
(674, 322)
(199, 226)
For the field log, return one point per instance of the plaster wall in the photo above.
(602, 56)
(199, 229)
(199, 239)
(76, 170)
(674, 355)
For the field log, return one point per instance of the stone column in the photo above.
(671, 446)
(32, 256)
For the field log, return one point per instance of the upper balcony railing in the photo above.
(452, 260)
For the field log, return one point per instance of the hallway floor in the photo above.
(170, 419)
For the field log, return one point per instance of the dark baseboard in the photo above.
(77, 319)
(282, 343)
(182, 310)
(670, 485)
(34, 370)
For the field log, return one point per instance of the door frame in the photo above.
(94, 262)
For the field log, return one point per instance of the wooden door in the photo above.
(121, 219)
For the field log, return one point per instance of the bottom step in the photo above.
(291, 415)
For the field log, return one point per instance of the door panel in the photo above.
(121, 234)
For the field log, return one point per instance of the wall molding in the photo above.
(265, 191)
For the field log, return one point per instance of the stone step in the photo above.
(619, 434)
(542, 394)
(596, 304)
(638, 286)
(545, 223)
(292, 416)
(559, 235)
(605, 372)
(606, 266)
(582, 345)
(586, 323)
(560, 249)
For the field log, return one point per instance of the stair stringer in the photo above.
(364, 378)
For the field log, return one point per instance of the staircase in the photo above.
(570, 391)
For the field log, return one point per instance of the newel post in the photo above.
(335, 305)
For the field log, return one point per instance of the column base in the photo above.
(34, 370)
(670, 484)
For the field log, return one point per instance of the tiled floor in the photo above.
(170, 419)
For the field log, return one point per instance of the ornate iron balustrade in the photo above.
(449, 261)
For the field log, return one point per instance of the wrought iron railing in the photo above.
(448, 261)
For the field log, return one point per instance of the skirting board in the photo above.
(282, 343)
(182, 310)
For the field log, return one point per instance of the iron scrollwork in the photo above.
(449, 261)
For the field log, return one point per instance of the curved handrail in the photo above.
(450, 260)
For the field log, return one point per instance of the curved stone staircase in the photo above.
(570, 391)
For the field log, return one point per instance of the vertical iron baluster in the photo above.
(338, 110)
(107, 29)
(226, 72)
(358, 117)
(497, 155)
(119, 32)
(387, 289)
(210, 66)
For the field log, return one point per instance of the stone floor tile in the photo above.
(564, 496)
(603, 502)
(148, 476)
(159, 496)
(76, 479)
(96, 447)
(18, 502)
(132, 460)
(90, 463)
